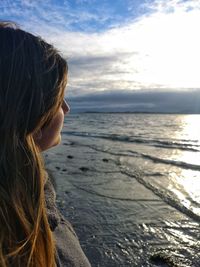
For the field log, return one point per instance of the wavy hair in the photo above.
(33, 77)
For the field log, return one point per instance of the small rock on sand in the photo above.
(84, 169)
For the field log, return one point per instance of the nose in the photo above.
(65, 107)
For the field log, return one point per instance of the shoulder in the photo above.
(68, 249)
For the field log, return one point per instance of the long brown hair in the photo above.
(32, 80)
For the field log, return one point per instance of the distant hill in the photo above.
(140, 101)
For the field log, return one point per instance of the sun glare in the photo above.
(187, 182)
(191, 128)
(168, 50)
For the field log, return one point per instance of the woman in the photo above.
(33, 78)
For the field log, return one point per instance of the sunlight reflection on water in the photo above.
(187, 181)
(190, 128)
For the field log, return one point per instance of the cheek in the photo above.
(57, 123)
(51, 134)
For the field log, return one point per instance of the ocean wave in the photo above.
(167, 196)
(176, 163)
(136, 154)
(130, 153)
(189, 145)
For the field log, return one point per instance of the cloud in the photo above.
(159, 49)
(85, 16)
(105, 71)
(165, 101)
(173, 6)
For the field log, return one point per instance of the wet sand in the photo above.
(119, 222)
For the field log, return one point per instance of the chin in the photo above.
(48, 144)
(58, 141)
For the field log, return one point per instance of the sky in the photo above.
(120, 48)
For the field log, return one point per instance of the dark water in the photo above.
(130, 185)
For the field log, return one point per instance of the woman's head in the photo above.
(33, 77)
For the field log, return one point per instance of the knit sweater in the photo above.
(68, 249)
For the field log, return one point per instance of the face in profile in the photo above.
(50, 135)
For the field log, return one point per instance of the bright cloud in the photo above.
(159, 49)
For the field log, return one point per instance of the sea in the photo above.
(130, 186)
